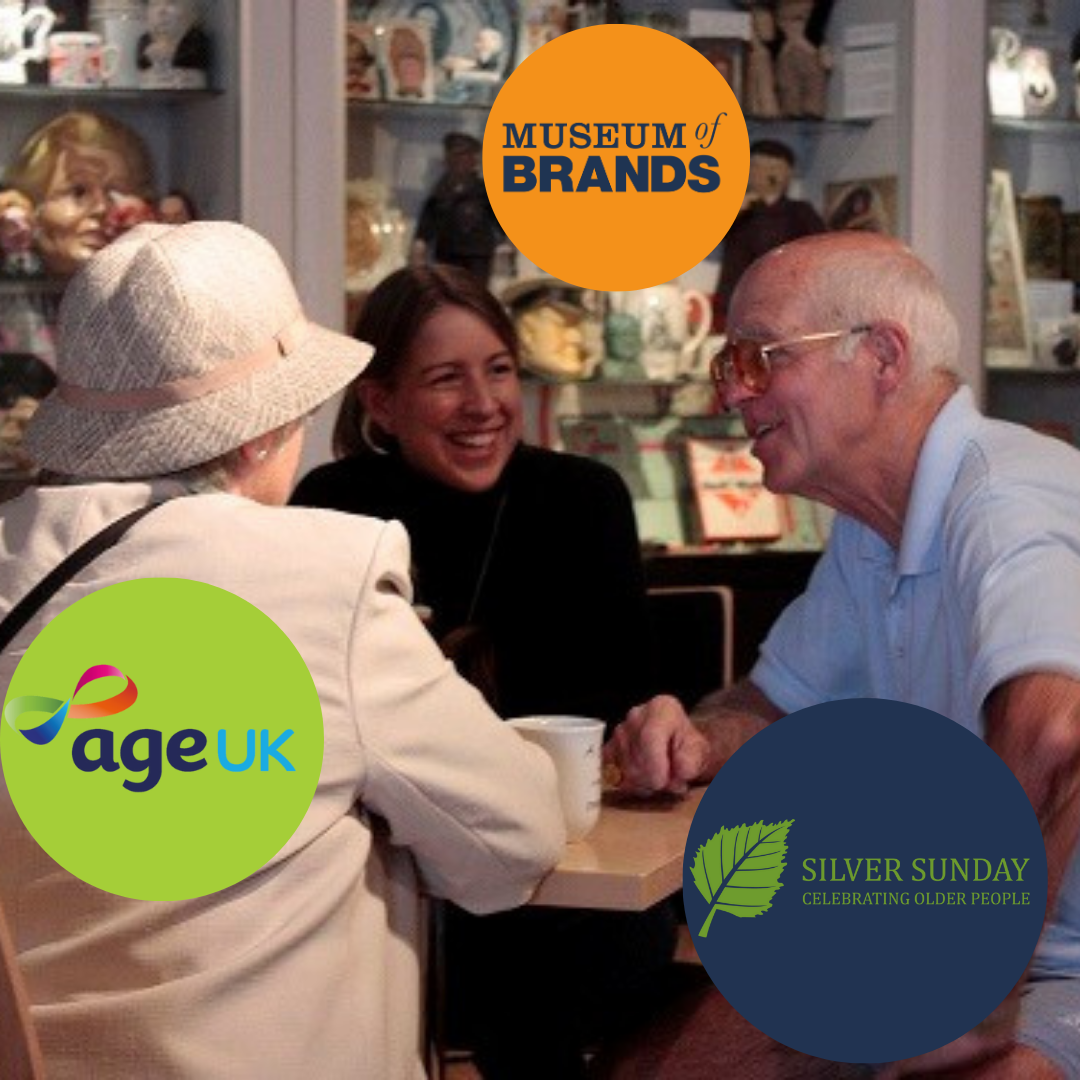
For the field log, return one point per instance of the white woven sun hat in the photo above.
(176, 344)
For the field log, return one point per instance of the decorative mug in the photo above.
(668, 347)
(121, 26)
(79, 60)
(14, 24)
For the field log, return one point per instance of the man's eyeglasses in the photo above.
(750, 363)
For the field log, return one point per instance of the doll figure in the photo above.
(801, 66)
(457, 224)
(487, 61)
(17, 255)
(361, 62)
(760, 78)
(766, 219)
(176, 208)
(554, 342)
(408, 64)
(174, 53)
(73, 169)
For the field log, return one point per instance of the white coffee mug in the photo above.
(80, 60)
(574, 744)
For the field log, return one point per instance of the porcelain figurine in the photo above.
(15, 24)
(174, 53)
(802, 66)
(176, 208)
(761, 97)
(767, 218)
(75, 169)
(17, 255)
(457, 224)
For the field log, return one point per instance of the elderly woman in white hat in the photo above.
(186, 367)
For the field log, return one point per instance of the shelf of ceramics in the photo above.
(1034, 373)
(1066, 126)
(35, 92)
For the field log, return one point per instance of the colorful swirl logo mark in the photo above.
(60, 710)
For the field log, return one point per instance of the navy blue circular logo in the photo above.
(865, 880)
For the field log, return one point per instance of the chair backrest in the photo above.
(693, 640)
(20, 1055)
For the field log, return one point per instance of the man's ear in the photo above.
(891, 349)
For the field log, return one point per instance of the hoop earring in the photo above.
(368, 437)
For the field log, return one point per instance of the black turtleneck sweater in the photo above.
(562, 601)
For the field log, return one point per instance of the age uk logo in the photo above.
(46, 732)
(182, 784)
(95, 748)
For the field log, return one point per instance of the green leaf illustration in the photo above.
(738, 870)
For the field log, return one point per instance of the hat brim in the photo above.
(125, 445)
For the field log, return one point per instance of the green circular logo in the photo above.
(162, 739)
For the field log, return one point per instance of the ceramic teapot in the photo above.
(15, 22)
(668, 347)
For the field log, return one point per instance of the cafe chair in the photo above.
(20, 1054)
(692, 632)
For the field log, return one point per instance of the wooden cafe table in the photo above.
(631, 859)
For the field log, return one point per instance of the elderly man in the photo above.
(951, 580)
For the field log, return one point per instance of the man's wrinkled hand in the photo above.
(655, 749)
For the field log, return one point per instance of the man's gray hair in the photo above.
(849, 286)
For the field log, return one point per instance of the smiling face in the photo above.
(819, 411)
(71, 216)
(455, 405)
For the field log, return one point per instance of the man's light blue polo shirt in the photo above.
(985, 587)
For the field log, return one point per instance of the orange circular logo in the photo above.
(616, 157)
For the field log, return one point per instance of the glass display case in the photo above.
(187, 138)
(851, 159)
(1032, 257)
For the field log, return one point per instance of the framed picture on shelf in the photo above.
(1070, 245)
(641, 452)
(732, 501)
(1008, 329)
(407, 62)
(1041, 224)
(539, 21)
(865, 205)
(728, 56)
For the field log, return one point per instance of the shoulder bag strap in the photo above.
(82, 556)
